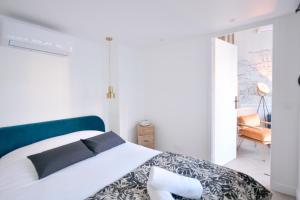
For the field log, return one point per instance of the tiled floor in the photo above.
(255, 161)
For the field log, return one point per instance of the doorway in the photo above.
(242, 101)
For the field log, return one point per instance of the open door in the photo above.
(224, 102)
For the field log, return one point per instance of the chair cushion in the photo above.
(260, 134)
(250, 120)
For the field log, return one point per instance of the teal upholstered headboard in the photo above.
(15, 137)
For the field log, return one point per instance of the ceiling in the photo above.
(143, 22)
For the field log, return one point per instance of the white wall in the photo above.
(298, 188)
(113, 104)
(178, 92)
(284, 166)
(131, 91)
(39, 87)
(286, 69)
(176, 88)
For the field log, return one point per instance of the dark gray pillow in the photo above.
(103, 142)
(50, 161)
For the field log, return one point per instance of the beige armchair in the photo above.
(252, 128)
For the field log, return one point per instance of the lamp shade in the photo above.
(262, 89)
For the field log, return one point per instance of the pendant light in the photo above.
(110, 90)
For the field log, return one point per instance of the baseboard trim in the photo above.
(285, 189)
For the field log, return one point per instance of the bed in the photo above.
(118, 173)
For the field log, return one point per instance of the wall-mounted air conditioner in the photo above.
(18, 34)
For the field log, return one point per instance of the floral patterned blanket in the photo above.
(218, 182)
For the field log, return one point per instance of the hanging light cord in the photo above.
(110, 91)
(109, 63)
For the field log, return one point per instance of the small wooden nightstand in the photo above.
(146, 136)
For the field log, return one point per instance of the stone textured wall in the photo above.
(254, 65)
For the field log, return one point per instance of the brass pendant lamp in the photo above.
(110, 90)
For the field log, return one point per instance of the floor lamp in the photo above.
(262, 91)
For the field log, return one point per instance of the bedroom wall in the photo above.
(131, 91)
(177, 97)
(298, 187)
(113, 104)
(176, 88)
(286, 100)
(286, 103)
(39, 87)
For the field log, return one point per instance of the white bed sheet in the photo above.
(18, 178)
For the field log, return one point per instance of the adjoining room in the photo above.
(253, 77)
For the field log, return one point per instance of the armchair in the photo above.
(252, 128)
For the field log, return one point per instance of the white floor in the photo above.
(254, 160)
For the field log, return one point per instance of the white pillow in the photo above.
(47, 144)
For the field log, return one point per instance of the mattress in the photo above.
(19, 180)
(118, 173)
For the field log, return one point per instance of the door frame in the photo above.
(212, 72)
